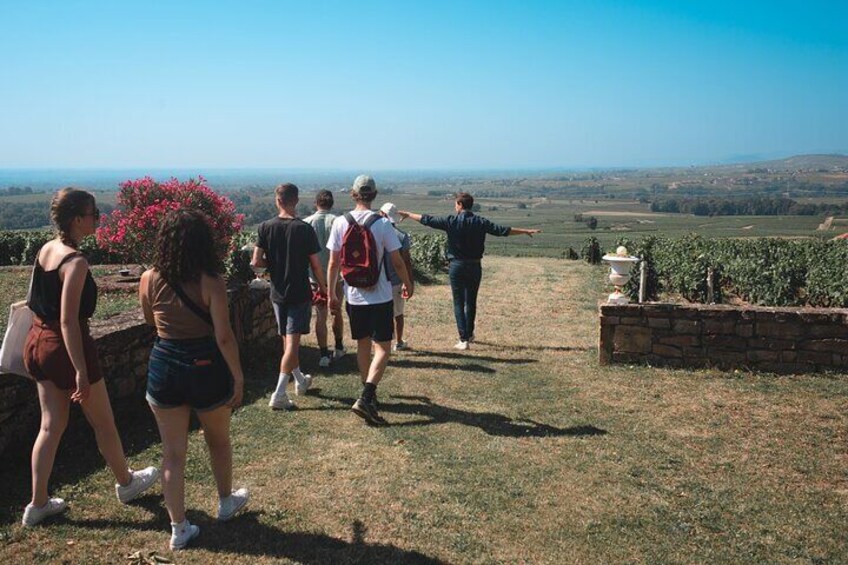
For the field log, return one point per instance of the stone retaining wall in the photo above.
(124, 343)
(779, 340)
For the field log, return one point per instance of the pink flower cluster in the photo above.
(130, 231)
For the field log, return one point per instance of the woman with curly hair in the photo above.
(60, 354)
(194, 364)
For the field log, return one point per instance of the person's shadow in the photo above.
(491, 423)
(250, 534)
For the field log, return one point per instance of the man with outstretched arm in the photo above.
(370, 309)
(466, 241)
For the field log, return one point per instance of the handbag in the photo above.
(20, 322)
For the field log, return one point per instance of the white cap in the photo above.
(391, 212)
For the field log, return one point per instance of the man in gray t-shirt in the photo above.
(322, 221)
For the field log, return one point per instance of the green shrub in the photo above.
(428, 254)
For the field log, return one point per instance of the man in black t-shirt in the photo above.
(288, 246)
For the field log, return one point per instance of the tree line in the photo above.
(753, 206)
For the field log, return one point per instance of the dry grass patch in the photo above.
(522, 449)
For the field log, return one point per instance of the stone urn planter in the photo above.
(621, 263)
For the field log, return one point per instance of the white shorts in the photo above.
(398, 299)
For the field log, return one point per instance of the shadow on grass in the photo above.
(77, 457)
(491, 423)
(436, 365)
(248, 534)
(533, 347)
(464, 356)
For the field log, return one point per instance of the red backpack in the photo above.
(360, 267)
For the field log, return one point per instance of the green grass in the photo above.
(521, 450)
(14, 282)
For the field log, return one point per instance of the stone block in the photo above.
(686, 326)
(779, 329)
(605, 344)
(725, 327)
(724, 342)
(760, 355)
(694, 353)
(681, 340)
(632, 339)
(826, 331)
(832, 345)
(666, 351)
(744, 329)
(815, 357)
(771, 343)
(660, 323)
(659, 310)
(726, 359)
(631, 321)
(610, 320)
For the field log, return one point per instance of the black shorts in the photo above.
(372, 320)
(188, 372)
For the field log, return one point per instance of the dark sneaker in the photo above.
(368, 412)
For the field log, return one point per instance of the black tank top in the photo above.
(46, 296)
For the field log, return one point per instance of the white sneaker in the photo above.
(228, 506)
(35, 514)
(400, 346)
(302, 385)
(324, 362)
(461, 345)
(339, 352)
(281, 402)
(140, 482)
(183, 533)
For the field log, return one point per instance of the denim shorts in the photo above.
(188, 372)
(293, 319)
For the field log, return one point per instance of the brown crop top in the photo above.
(172, 318)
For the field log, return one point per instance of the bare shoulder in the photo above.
(212, 283)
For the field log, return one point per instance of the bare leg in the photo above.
(216, 431)
(98, 412)
(283, 356)
(399, 327)
(55, 407)
(321, 326)
(173, 428)
(363, 357)
(382, 350)
(291, 355)
(338, 328)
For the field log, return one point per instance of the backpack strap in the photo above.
(191, 304)
(371, 220)
(384, 265)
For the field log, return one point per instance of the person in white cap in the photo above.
(390, 211)
(369, 307)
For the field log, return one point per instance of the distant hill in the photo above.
(796, 162)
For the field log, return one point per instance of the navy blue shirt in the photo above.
(466, 233)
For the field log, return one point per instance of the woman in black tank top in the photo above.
(62, 357)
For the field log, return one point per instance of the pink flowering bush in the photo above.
(130, 231)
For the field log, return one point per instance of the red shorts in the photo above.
(47, 359)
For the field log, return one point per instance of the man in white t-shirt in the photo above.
(370, 310)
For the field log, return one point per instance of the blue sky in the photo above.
(426, 85)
